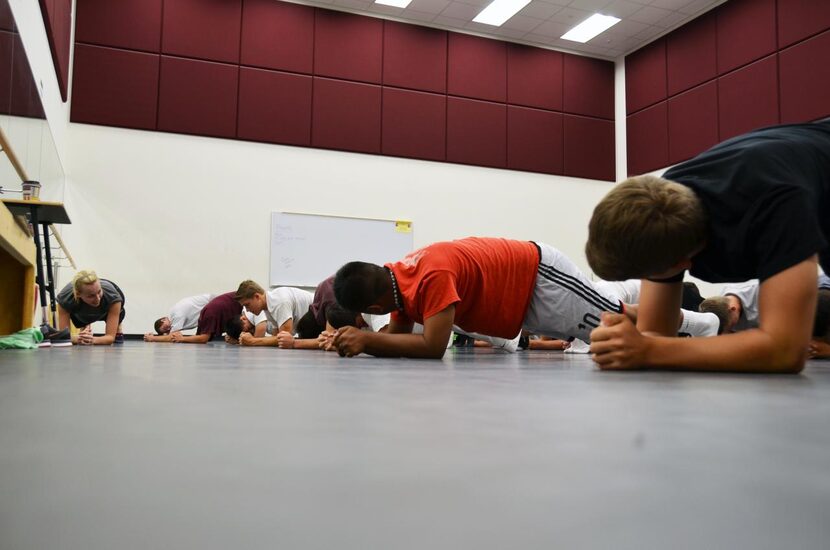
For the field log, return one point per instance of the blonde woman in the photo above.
(88, 299)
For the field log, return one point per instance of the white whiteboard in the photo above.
(307, 248)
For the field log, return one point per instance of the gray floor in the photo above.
(175, 446)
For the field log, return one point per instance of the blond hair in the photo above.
(81, 278)
(719, 305)
(247, 289)
(642, 227)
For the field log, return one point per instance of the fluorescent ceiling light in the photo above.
(590, 28)
(500, 11)
(395, 3)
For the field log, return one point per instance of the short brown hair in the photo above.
(719, 305)
(247, 289)
(643, 226)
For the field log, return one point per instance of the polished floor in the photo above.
(176, 446)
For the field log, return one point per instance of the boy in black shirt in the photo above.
(755, 206)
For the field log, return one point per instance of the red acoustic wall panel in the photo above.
(589, 148)
(645, 76)
(534, 140)
(6, 17)
(746, 32)
(6, 60)
(205, 29)
(414, 124)
(57, 18)
(534, 77)
(25, 100)
(582, 74)
(648, 139)
(476, 132)
(691, 54)
(693, 122)
(198, 97)
(414, 57)
(477, 68)
(800, 19)
(131, 24)
(115, 87)
(346, 115)
(274, 107)
(277, 35)
(737, 114)
(348, 46)
(805, 80)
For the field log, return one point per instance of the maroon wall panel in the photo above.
(648, 139)
(805, 80)
(477, 68)
(476, 132)
(746, 32)
(348, 46)
(131, 24)
(693, 122)
(198, 97)
(115, 87)
(414, 57)
(535, 140)
(589, 148)
(6, 60)
(414, 124)
(6, 17)
(582, 74)
(57, 18)
(799, 19)
(206, 29)
(25, 100)
(738, 114)
(346, 115)
(274, 107)
(645, 76)
(277, 35)
(534, 77)
(691, 54)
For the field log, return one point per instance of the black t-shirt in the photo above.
(767, 198)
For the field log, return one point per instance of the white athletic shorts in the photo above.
(565, 303)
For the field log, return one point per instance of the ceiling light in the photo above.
(500, 11)
(395, 3)
(590, 28)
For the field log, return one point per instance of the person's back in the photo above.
(490, 281)
(286, 303)
(763, 193)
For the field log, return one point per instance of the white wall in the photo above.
(167, 216)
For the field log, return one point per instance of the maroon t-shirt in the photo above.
(216, 313)
(323, 298)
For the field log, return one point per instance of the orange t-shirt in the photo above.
(490, 281)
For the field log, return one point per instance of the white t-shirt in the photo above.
(627, 291)
(375, 322)
(185, 314)
(257, 319)
(286, 303)
(747, 293)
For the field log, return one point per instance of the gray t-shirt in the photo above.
(82, 313)
(747, 293)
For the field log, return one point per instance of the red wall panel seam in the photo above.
(382, 54)
(313, 69)
(239, 65)
(158, 80)
(777, 62)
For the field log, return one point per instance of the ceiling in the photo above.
(542, 22)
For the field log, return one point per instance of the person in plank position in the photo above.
(487, 286)
(212, 320)
(184, 315)
(754, 206)
(283, 307)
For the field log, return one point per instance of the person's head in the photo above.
(821, 325)
(163, 325)
(307, 327)
(251, 296)
(236, 326)
(727, 308)
(87, 288)
(338, 317)
(364, 287)
(646, 227)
